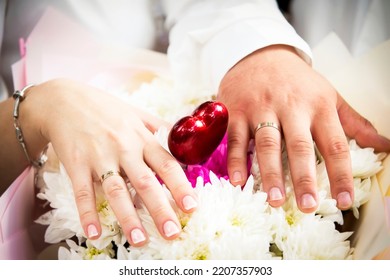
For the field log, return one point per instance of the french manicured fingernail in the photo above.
(92, 231)
(344, 200)
(189, 202)
(137, 236)
(308, 201)
(275, 194)
(237, 177)
(170, 229)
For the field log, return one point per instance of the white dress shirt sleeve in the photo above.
(207, 38)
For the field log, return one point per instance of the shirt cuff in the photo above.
(232, 44)
(206, 43)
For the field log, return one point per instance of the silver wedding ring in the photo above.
(267, 124)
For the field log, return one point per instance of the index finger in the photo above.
(151, 122)
(170, 171)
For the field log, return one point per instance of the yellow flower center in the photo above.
(290, 219)
(236, 221)
(201, 253)
(91, 252)
(103, 208)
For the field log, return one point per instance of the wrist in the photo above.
(274, 60)
(275, 54)
(28, 125)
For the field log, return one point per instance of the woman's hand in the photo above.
(275, 85)
(94, 133)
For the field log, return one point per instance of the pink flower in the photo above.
(217, 163)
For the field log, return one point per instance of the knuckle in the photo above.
(113, 134)
(114, 190)
(236, 161)
(144, 182)
(343, 180)
(271, 175)
(326, 108)
(77, 156)
(83, 195)
(235, 140)
(128, 220)
(366, 123)
(160, 212)
(268, 143)
(301, 146)
(167, 167)
(367, 126)
(87, 214)
(304, 182)
(338, 149)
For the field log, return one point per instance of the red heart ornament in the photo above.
(194, 138)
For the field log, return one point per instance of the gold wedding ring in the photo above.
(267, 124)
(108, 174)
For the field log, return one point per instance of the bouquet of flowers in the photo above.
(229, 223)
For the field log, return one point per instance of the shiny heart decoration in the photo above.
(193, 138)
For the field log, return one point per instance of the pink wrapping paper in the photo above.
(16, 208)
(58, 47)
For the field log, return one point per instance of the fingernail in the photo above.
(189, 202)
(92, 231)
(170, 229)
(237, 177)
(308, 201)
(137, 236)
(344, 200)
(275, 194)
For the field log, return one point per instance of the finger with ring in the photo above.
(108, 174)
(269, 156)
(267, 124)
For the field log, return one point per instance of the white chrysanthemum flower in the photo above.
(162, 98)
(362, 194)
(228, 224)
(327, 208)
(63, 220)
(85, 252)
(322, 177)
(312, 237)
(300, 236)
(365, 163)
(255, 171)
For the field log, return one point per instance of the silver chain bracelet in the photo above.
(18, 95)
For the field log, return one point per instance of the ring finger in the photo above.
(267, 136)
(120, 201)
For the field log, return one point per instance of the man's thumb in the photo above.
(357, 127)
